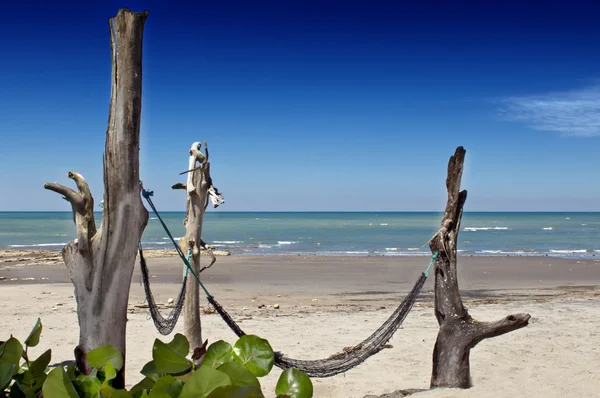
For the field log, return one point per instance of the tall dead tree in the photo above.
(200, 190)
(459, 332)
(100, 262)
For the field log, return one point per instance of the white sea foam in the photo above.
(391, 248)
(263, 246)
(414, 248)
(567, 251)
(227, 242)
(547, 228)
(153, 218)
(384, 224)
(39, 245)
(489, 251)
(473, 229)
(284, 242)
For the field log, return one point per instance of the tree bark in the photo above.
(100, 262)
(459, 332)
(199, 189)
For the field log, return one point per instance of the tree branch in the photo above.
(179, 185)
(70, 195)
(509, 323)
(210, 253)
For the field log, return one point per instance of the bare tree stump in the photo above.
(200, 190)
(459, 332)
(100, 262)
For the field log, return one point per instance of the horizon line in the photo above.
(330, 211)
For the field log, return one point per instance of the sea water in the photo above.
(338, 233)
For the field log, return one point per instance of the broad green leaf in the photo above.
(58, 385)
(237, 392)
(6, 373)
(71, 371)
(166, 387)
(255, 354)
(34, 336)
(295, 384)
(109, 372)
(203, 382)
(149, 370)
(145, 384)
(168, 360)
(100, 356)
(218, 353)
(239, 375)
(180, 345)
(39, 365)
(12, 353)
(111, 392)
(89, 384)
(29, 383)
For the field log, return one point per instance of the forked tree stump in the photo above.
(100, 262)
(459, 332)
(200, 190)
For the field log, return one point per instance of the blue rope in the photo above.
(433, 257)
(147, 195)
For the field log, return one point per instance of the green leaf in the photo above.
(218, 353)
(12, 353)
(239, 375)
(34, 336)
(180, 345)
(254, 353)
(18, 391)
(100, 356)
(149, 370)
(39, 365)
(145, 384)
(6, 373)
(111, 392)
(89, 384)
(237, 392)
(71, 371)
(203, 382)
(58, 385)
(295, 384)
(168, 360)
(166, 387)
(109, 372)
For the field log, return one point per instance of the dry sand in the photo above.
(329, 303)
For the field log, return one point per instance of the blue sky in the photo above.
(315, 105)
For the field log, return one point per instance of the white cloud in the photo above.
(574, 113)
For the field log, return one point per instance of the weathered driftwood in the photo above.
(100, 262)
(199, 189)
(459, 332)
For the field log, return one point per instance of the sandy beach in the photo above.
(327, 303)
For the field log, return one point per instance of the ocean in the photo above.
(338, 233)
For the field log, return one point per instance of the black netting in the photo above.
(350, 358)
(163, 325)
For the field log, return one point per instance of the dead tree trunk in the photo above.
(100, 262)
(458, 333)
(199, 189)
